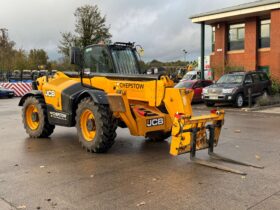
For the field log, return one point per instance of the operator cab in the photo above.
(118, 58)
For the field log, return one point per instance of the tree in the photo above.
(37, 57)
(6, 50)
(20, 60)
(155, 63)
(62, 64)
(90, 28)
(68, 40)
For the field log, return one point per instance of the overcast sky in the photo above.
(162, 27)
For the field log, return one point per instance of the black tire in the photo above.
(158, 136)
(209, 104)
(44, 129)
(105, 126)
(239, 101)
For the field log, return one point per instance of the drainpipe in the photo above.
(202, 51)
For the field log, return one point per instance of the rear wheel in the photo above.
(96, 126)
(35, 119)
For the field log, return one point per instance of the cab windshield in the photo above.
(125, 61)
(103, 59)
(231, 79)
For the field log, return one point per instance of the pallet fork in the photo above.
(215, 156)
(190, 134)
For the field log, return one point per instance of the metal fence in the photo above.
(22, 75)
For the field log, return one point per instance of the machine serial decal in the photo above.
(50, 93)
(131, 85)
(57, 115)
(155, 122)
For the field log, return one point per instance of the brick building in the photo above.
(245, 37)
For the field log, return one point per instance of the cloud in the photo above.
(161, 27)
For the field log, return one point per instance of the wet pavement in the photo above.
(272, 110)
(57, 173)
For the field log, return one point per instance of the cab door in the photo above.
(257, 86)
(248, 84)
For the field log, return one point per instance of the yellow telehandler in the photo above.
(108, 92)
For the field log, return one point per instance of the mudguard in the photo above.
(31, 93)
(98, 96)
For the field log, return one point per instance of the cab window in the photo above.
(263, 76)
(256, 78)
(248, 79)
(97, 59)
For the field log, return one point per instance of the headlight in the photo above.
(205, 90)
(231, 90)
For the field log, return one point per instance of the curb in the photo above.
(226, 109)
(260, 108)
(245, 109)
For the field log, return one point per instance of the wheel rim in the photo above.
(87, 124)
(239, 101)
(32, 118)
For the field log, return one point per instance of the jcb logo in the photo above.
(50, 93)
(155, 122)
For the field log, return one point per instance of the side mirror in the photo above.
(76, 56)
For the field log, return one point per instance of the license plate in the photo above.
(11, 94)
(213, 97)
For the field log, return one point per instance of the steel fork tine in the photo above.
(226, 159)
(216, 166)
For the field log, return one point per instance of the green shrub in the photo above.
(268, 100)
(275, 88)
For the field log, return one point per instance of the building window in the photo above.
(213, 38)
(236, 36)
(264, 34)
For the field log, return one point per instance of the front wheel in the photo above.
(35, 119)
(96, 126)
(239, 101)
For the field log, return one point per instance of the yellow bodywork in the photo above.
(130, 100)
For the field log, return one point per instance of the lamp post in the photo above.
(185, 54)
(202, 49)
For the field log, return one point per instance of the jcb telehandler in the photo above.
(108, 92)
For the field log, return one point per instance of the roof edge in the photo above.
(236, 8)
(236, 12)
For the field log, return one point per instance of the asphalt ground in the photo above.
(57, 173)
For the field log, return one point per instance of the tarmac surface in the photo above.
(57, 173)
(272, 110)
